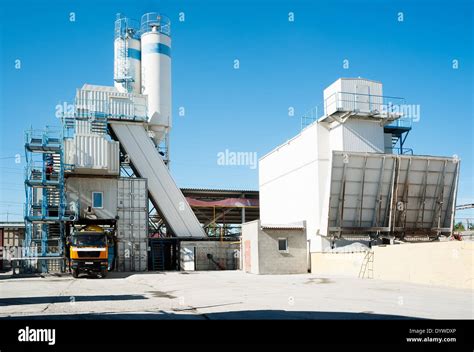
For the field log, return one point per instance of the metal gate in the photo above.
(164, 254)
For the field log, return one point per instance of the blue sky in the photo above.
(282, 64)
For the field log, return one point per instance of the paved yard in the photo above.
(227, 295)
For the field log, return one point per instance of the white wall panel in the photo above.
(92, 154)
(80, 190)
(292, 181)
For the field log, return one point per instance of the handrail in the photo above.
(402, 122)
(154, 19)
(46, 135)
(125, 26)
(118, 107)
(348, 101)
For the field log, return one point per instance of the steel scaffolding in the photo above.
(45, 206)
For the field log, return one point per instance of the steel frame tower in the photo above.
(45, 204)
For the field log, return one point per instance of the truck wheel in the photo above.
(75, 273)
(103, 273)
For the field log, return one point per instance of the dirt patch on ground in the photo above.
(318, 280)
(162, 294)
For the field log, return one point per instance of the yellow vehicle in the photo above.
(89, 251)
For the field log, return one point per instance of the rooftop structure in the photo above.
(340, 174)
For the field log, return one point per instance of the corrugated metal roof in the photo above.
(184, 189)
(227, 202)
(358, 78)
(293, 226)
(12, 224)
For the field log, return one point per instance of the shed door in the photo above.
(247, 264)
(362, 98)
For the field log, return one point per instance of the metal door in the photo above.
(362, 98)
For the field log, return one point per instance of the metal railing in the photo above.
(153, 19)
(45, 212)
(37, 171)
(45, 137)
(380, 105)
(38, 264)
(309, 117)
(112, 107)
(405, 122)
(125, 26)
(40, 248)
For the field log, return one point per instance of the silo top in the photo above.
(155, 22)
(126, 27)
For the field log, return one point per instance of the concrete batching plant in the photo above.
(110, 159)
(347, 175)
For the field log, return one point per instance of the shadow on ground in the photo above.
(111, 275)
(235, 315)
(66, 299)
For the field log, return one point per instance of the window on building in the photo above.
(97, 200)
(283, 245)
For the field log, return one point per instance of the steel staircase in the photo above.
(157, 256)
(45, 201)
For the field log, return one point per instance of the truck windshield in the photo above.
(97, 240)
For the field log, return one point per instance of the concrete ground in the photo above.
(226, 295)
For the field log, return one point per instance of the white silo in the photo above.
(127, 56)
(156, 72)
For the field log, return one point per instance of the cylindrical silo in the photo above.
(127, 56)
(156, 72)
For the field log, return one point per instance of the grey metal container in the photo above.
(132, 209)
(132, 224)
(132, 255)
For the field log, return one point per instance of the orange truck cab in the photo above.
(89, 251)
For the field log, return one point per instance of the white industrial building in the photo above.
(108, 166)
(341, 176)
